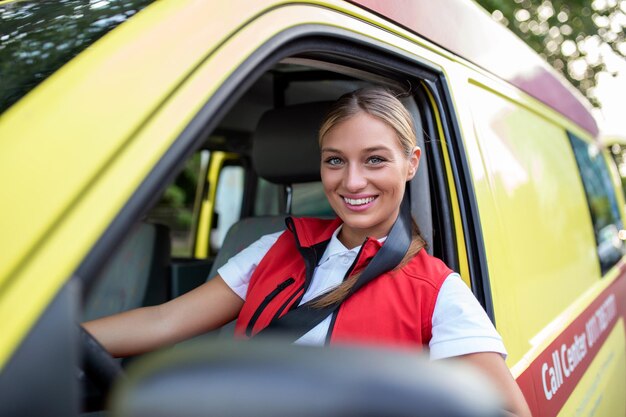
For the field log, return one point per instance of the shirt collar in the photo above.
(335, 247)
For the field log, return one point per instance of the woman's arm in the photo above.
(205, 308)
(457, 319)
(492, 364)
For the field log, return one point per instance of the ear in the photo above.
(414, 161)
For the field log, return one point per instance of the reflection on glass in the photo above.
(228, 201)
(39, 37)
(618, 152)
(602, 201)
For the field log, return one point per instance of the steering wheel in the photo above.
(98, 371)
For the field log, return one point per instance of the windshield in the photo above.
(39, 37)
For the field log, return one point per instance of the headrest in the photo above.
(284, 146)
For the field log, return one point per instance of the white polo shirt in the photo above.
(459, 323)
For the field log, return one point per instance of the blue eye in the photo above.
(333, 161)
(375, 160)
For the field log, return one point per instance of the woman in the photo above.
(368, 152)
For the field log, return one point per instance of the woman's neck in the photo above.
(351, 239)
(349, 242)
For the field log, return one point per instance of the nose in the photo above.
(354, 178)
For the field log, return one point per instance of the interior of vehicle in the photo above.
(259, 165)
(266, 157)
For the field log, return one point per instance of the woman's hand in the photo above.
(492, 364)
(205, 308)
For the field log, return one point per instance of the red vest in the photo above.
(394, 309)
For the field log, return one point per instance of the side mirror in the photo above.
(275, 379)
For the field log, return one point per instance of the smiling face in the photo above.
(364, 170)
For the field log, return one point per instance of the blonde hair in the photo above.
(378, 102)
(384, 105)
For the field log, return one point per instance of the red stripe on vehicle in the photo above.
(466, 30)
(550, 379)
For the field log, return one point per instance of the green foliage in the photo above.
(39, 37)
(175, 208)
(572, 35)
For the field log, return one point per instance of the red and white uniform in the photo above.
(423, 303)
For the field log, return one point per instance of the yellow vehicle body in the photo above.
(78, 152)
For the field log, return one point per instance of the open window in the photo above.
(220, 184)
(223, 198)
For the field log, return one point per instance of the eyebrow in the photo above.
(377, 148)
(330, 150)
(366, 150)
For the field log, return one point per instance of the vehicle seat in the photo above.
(285, 151)
(420, 191)
(242, 234)
(136, 275)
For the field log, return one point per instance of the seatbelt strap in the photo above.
(298, 321)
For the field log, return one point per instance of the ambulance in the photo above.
(131, 160)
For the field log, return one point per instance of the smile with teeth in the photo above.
(358, 201)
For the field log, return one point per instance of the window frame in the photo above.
(337, 46)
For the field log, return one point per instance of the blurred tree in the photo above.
(37, 37)
(574, 36)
